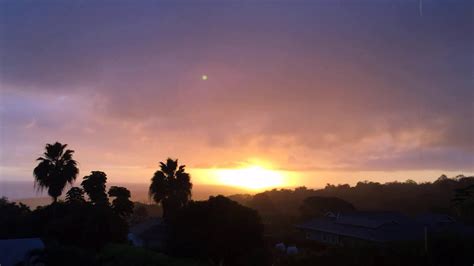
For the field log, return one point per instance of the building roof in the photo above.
(371, 219)
(153, 228)
(13, 251)
(370, 226)
(434, 219)
(443, 223)
(140, 228)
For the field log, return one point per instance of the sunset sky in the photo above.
(317, 91)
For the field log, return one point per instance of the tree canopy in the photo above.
(94, 186)
(219, 229)
(121, 204)
(316, 206)
(75, 195)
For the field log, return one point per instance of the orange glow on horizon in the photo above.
(253, 177)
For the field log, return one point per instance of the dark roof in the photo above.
(436, 222)
(13, 251)
(371, 219)
(434, 218)
(140, 228)
(153, 228)
(371, 226)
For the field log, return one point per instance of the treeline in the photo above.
(86, 223)
(407, 197)
(280, 209)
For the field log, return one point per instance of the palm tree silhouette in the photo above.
(171, 187)
(122, 205)
(55, 170)
(94, 186)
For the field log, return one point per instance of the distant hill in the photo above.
(407, 197)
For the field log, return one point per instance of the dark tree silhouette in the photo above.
(171, 187)
(464, 194)
(55, 169)
(87, 226)
(464, 203)
(57, 255)
(90, 225)
(121, 204)
(219, 230)
(262, 203)
(75, 195)
(14, 220)
(318, 206)
(94, 186)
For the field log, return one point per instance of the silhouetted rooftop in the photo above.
(370, 226)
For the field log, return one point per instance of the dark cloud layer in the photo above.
(367, 85)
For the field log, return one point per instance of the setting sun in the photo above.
(252, 177)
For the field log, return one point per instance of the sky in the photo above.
(320, 91)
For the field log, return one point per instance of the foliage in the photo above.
(14, 220)
(80, 223)
(406, 197)
(87, 226)
(443, 251)
(280, 209)
(75, 195)
(367, 256)
(451, 249)
(124, 255)
(464, 203)
(219, 230)
(122, 205)
(110, 255)
(316, 206)
(55, 169)
(263, 203)
(56, 255)
(94, 186)
(171, 186)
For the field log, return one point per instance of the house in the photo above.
(13, 251)
(150, 233)
(441, 223)
(358, 228)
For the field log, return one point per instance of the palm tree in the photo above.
(122, 205)
(55, 170)
(171, 187)
(94, 186)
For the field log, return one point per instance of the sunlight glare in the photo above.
(253, 177)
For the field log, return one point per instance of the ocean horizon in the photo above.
(26, 192)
